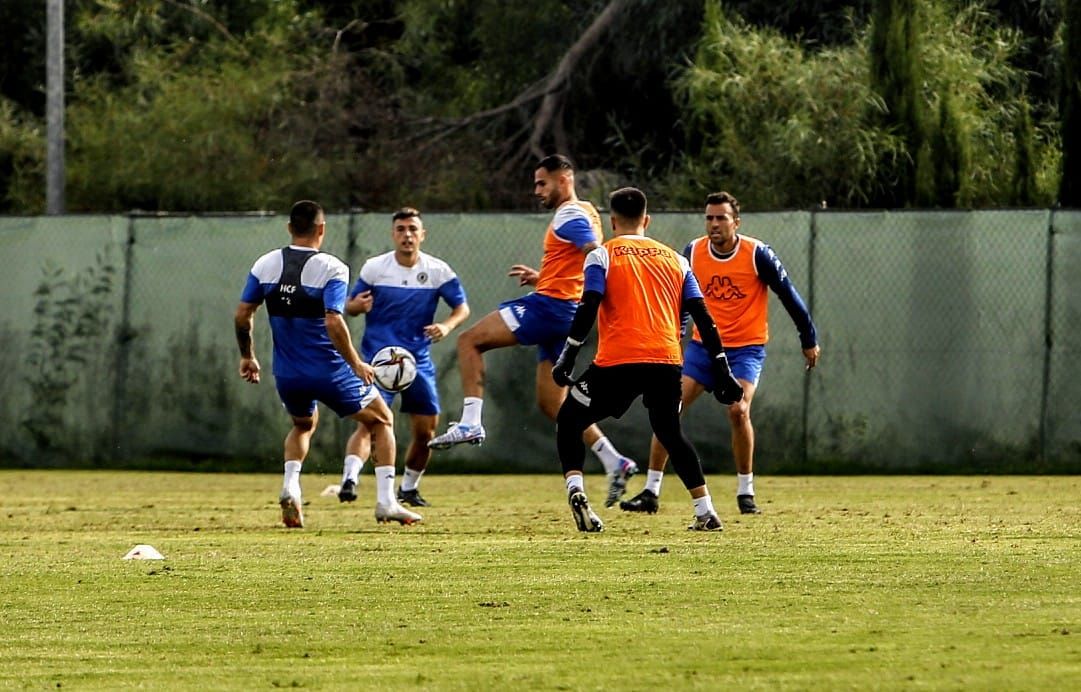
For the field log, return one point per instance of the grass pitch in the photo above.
(842, 583)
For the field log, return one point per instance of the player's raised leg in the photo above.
(490, 332)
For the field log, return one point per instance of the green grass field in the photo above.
(843, 583)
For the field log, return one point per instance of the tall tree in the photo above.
(896, 77)
(1070, 106)
(1024, 179)
(949, 155)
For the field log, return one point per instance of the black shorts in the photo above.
(609, 391)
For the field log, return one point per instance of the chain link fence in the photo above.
(950, 343)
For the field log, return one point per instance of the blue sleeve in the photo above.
(685, 317)
(773, 273)
(360, 287)
(451, 292)
(691, 289)
(334, 296)
(577, 231)
(253, 291)
(596, 279)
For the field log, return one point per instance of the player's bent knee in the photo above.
(572, 417)
(738, 413)
(549, 408)
(304, 425)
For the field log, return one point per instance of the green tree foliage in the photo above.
(897, 77)
(1025, 182)
(221, 119)
(790, 127)
(213, 104)
(22, 54)
(812, 22)
(22, 162)
(968, 58)
(1070, 99)
(787, 128)
(950, 155)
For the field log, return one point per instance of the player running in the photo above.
(541, 318)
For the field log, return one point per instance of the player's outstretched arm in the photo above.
(772, 271)
(244, 321)
(527, 276)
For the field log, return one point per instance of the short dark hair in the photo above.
(303, 215)
(723, 198)
(406, 213)
(628, 202)
(556, 162)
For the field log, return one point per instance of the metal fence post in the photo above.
(812, 242)
(1048, 337)
(124, 338)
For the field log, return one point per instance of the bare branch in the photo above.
(551, 91)
(338, 34)
(555, 94)
(205, 16)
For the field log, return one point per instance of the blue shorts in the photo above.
(421, 397)
(746, 363)
(344, 393)
(539, 321)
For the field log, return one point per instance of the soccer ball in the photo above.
(395, 368)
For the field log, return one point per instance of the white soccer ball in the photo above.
(395, 368)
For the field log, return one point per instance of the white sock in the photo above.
(384, 485)
(608, 455)
(746, 484)
(291, 482)
(411, 478)
(703, 506)
(653, 481)
(352, 468)
(575, 484)
(471, 409)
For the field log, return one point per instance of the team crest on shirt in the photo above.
(722, 287)
(422, 277)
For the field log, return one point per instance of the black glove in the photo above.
(564, 367)
(726, 388)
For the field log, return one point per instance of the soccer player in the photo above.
(398, 292)
(636, 290)
(734, 271)
(541, 318)
(314, 359)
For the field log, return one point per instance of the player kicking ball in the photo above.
(314, 359)
(541, 318)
